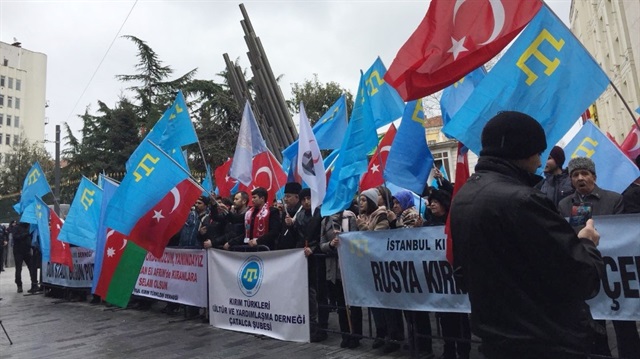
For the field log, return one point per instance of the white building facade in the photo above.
(23, 75)
(610, 30)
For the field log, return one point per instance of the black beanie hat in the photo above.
(305, 192)
(292, 187)
(557, 153)
(512, 135)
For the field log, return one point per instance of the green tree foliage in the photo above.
(317, 97)
(217, 119)
(153, 90)
(17, 164)
(108, 139)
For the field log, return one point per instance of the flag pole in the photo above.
(205, 164)
(633, 117)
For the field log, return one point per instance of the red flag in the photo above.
(224, 182)
(120, 268)
(373, 177)
(453, 39)
(60, 251)
(267, 173)
(462, 174)
(631, 144)
(154, 230)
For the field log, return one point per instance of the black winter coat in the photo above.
(527, 273)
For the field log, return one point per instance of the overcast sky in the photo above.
(334, 39)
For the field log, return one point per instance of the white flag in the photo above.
(310, 165)
(250, 143)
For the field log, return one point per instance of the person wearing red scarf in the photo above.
(262, 223)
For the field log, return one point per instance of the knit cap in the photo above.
(512, 135)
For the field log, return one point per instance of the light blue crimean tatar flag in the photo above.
(172, 131)
(81, 225)
(616, 171)
(360, 138)
(328, 130)
(35, 185)
(385, 102)
(310, 166)
(546, 74)
(410, 160)
(207, 183)
(250, 143)
(42, 217)
(153, 176)
(109, 187)
(454, 96)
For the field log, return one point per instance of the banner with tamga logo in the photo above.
(80, 276)
(180, 276)
(260, 292)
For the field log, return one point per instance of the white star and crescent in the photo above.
(157, 215)
(375, 168)
(457, 46)
(267, 170)
(176, 198)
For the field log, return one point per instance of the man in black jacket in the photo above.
(22, 254)
(526, 271)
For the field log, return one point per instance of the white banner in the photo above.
(407, 269)
(180, 276)
(619, 296)
(80, 277)
(260, 292)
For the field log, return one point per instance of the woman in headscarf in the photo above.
(373, 217)
(418, 322)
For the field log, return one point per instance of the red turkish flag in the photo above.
(631, 144)
(60, 251)
(373, 177)
(223, 181)
(462, 174)
(267, 173)
(154, 230)
(453, 39)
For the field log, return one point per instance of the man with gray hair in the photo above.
(582, 171)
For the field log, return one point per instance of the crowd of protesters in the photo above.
(507, 189)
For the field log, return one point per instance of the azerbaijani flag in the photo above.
(121, 265)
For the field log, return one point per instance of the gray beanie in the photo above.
(582, 163)
(372, 194)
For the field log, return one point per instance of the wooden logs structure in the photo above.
(269, 106)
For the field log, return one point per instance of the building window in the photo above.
(17, 103)
(18, 85)
(9, 120)
(16, 139)
(16, 122)
(7, 140)
(2, 79)
(9, 101)
(10, 82)
(1, 121)
(1, 100)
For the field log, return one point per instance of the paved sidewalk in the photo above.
(44, 327)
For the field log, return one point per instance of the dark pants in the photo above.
(24, 255)
(627, 339)
(389, 323)
(456, 326)
(354, 314)
(2, 250)
(419, 330)
(600, 344)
